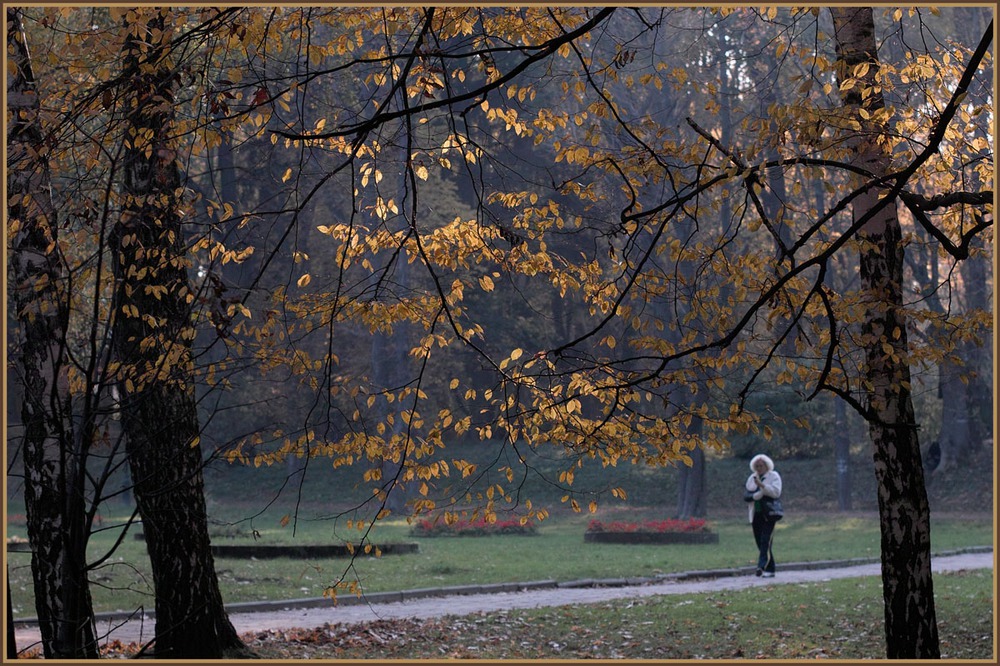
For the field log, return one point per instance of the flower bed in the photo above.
(436, 528)
(668, 531)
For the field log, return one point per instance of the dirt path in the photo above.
(274, 616)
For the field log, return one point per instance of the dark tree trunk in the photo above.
(53, 458)
(390, 362)
(774, 197)
(691, 487)
(11, 636)
(977, 354)
(152, 339)
(228, 184)
(978, 357)
(842, 454)
(904, 515)
(954, 436)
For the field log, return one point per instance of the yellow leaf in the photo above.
(304, 280)
(288, 174)
(516, 354)
(453, 385)
(421, 172)
(486, 282)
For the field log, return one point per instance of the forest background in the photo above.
(462, 248)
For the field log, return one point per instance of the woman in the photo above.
(763, 485)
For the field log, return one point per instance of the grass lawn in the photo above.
(839, 619)
(556, 552)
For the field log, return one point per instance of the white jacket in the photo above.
(770, 483)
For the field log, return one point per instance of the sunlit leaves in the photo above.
(645, 235)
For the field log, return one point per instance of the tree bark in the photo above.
(691, 487)
(54, 457)
(979, 360)
(11, 635)
(904, 515)
(390, 362)
(954, 436)
(152, 340)
(842, 453)
(976, 281)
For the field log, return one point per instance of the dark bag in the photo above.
(773, 508)
(748, 495)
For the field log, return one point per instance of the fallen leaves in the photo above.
(380, 637)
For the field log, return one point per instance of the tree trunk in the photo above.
(976, 282)
(152, 340)
(390, 363)
(904, 515)
(842, 453)
(953, 437)
(691, 487)
(978, 357)
(11, 635)
(53, 458)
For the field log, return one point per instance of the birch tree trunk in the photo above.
(904, 514)
(53, 457)
(152, 339)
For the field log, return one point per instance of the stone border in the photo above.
(270, 552)
(656, 538)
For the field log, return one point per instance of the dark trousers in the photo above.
(763, 534)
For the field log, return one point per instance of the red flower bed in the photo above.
(434, 528)
(671, 525)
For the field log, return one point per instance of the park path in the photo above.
(312, 613)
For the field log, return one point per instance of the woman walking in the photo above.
(763, 488)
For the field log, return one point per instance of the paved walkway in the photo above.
(422, 604)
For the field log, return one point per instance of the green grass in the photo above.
(557, 552)
(810, 531)
(839, 619)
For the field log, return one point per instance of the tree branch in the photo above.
(749, 180)
(918, 206)
(542, 52)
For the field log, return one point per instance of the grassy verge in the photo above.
(557, 552)
(838, 619)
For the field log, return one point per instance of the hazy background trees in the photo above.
(594, 236)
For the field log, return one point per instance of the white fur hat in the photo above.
(767, 461)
